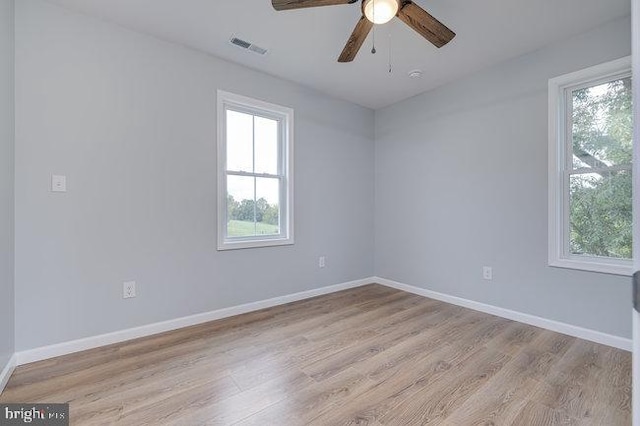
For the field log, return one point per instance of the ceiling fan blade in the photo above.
(299, 4)
(425, 24)
(358, 36)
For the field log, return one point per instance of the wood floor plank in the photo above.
(190, 392)
(344, 335)
(574, 386)
(300, 408)
(502, 398)
(608, 415)
(435, 403)
(390, 392)
(554, 343)
(239, 406)
(368, 356)
(537, 414)
(615, 380)
(354, 354)
(515, 337)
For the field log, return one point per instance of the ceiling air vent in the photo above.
(247, 45)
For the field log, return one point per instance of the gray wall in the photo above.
(6, 183)
(461, 182)
(130, 120)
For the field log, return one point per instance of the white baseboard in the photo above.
(7, 370)
(65, 348)
(560, 327)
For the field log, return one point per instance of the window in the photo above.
(255, 188)
(590, 154)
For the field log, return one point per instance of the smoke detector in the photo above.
(415, 73)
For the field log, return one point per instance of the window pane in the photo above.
(266, 146)
(239, 141)
(602, 125)
(240, 206)
(600, 216)
(268, 206)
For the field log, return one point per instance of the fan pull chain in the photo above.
(373, 48)
(373, 36)
(390, 68)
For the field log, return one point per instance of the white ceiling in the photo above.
(305, 44)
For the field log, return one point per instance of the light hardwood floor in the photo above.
(369, 356)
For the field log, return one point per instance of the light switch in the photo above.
(58, 183)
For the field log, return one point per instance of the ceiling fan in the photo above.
(379, 12)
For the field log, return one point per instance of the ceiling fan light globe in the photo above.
(380, 11)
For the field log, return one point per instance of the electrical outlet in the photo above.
(129, 289)
(487, 272)
(58, 183)
(322, 262)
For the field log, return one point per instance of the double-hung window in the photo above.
(590, 156)
(255, 187)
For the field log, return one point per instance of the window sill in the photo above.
(594, 264)
(237, 245)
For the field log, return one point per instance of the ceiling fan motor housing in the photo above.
(407, 11)
(380, 11)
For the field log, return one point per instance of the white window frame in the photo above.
(560, 163)
(285, 116)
